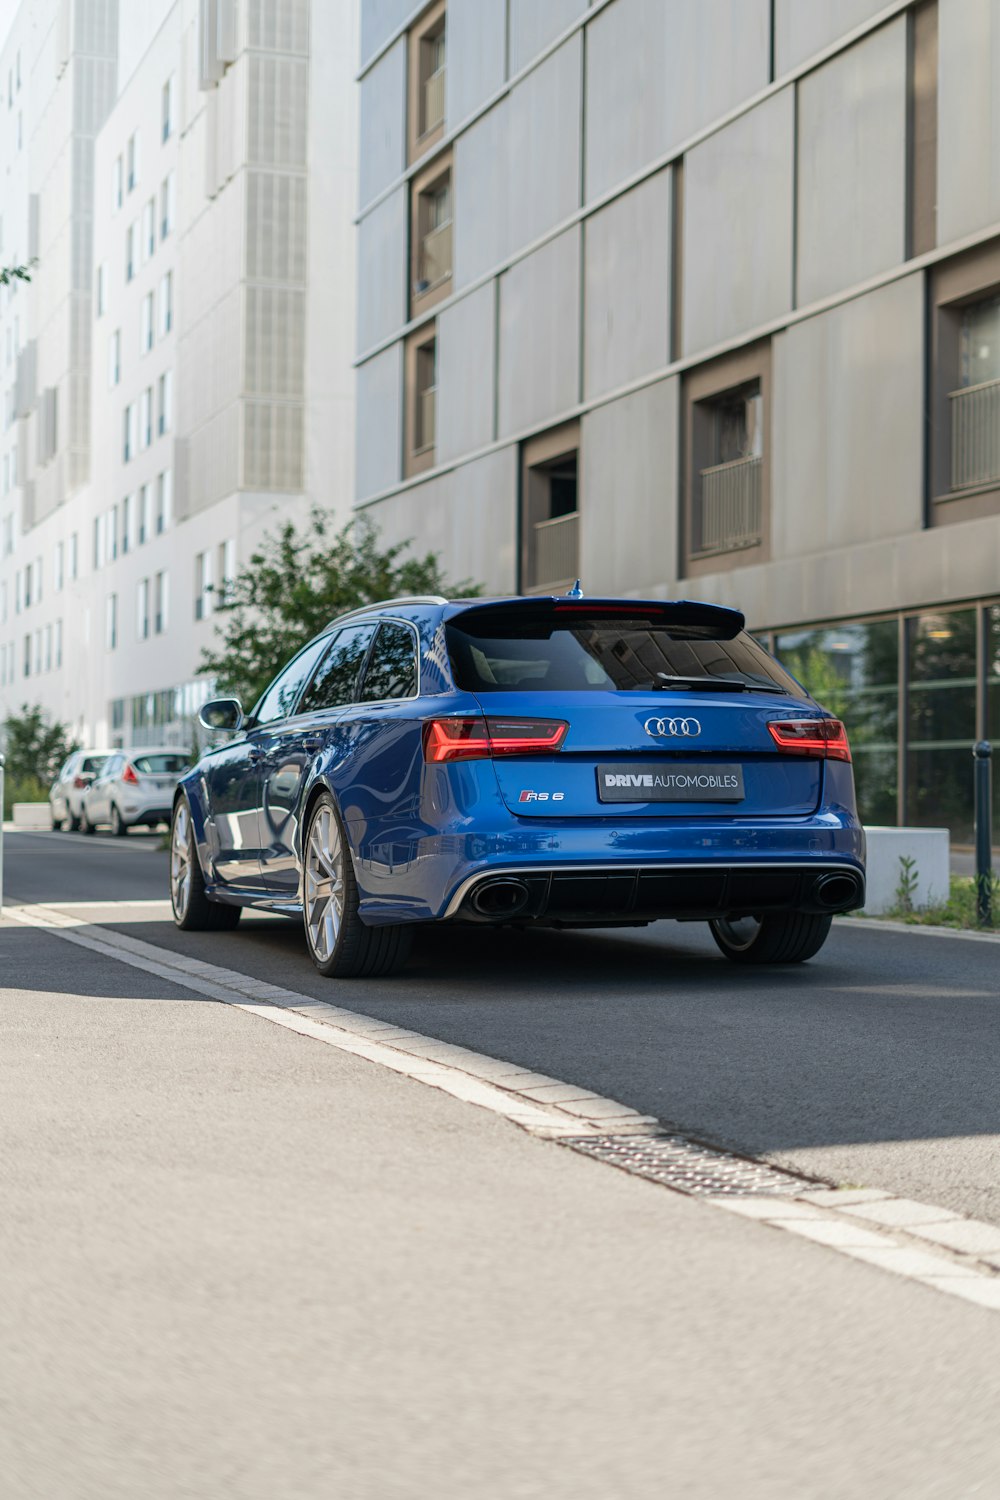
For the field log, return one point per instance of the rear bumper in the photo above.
(693, 891)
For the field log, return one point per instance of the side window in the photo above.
(279, 700)
(336, 680)
(112, 767)
(392, 667)
(67, 768)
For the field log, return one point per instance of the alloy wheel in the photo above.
(738, 933)
(180, 861)
(324, 883)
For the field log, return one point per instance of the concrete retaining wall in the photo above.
(929, 848)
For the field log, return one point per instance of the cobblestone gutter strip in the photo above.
(957, 1256)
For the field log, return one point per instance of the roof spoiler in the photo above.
(691, 618)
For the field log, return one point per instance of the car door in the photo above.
(233, 777)
(97, 799)
(290, 747)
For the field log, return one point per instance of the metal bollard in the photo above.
(983, 752)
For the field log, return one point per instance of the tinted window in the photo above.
(112, 766)
(92, 763)
(279, 700)
(336, 680)
(66, 769)
(161, 765)
(496, 654)
(392, 667)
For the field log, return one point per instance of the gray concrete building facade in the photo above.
(702, 297)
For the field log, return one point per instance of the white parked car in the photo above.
(135, 787)
(67, 792)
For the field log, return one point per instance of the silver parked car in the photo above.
(67, 792)
(135, 787)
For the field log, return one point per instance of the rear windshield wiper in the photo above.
(664, 682)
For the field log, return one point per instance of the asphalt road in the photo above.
(873, 1065)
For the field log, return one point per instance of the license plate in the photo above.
(673, 782)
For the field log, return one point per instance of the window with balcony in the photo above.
(550, 510)
(965, 430)
(727, 471)
(421, 399)
(431, 234)
(427, 58)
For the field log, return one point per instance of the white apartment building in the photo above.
(219, 327)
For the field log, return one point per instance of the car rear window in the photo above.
(491, 654)
(161, 765)
(92, 763)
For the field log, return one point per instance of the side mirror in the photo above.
(222, 713)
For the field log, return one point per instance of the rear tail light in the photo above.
(826, 738)
(481, 739)
(129, 775)
(80, 782)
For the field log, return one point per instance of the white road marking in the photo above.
(943, 1257)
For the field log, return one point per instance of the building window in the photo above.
(59, 643)
(146, 417)
(427, 44)
(146, 324)
(131, 249)
(165, 402)
(117, 183)
(102, 289)
(111, 534)
(145, 514)
(421, 399)
(168, 107)
(149, 229)
(132, 161)
(74, 556)
(164, 499)
(114, 358)
(161, 603)
(166, 205)
(112, 622)
(550, 549)
(142, 609)
(226, 569)
(129, 432)
(166, 304)
(431, 234)
(203, 585)
(59, 565)
(965, 430)
(727, 470)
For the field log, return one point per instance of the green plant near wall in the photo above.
(34, 748)
(906, 885)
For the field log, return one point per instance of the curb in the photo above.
(878, 924)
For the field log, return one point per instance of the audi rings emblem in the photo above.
(662, 729)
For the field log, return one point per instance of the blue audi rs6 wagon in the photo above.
(561, 762)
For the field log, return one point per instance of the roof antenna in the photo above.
(576, 592)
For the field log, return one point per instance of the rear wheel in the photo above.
(784, 937)
(339, 943)
(86, 826)
(193, 911)
(72, 824)
(118, 825)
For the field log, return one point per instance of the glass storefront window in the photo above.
(941, 720)
(853, 670)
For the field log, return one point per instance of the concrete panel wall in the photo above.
(847, 423)
(383, 123)
(468, 515)
(802, 29)
(480, 207)
(968, 164)
(628, 527)
(627, 286)
(738, 225)
(534, 25)
(380, 421)
(379, 19)
(466, 354)
(852, 165)
(543, 185)
(540, 334)
(382, 240)
(658, 73)
(476, 45)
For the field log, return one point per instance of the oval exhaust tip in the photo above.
(838, 892)
(500, 898)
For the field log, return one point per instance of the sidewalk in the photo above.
(240, 1263)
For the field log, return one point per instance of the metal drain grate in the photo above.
(688, 1168)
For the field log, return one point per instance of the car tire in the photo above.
(784, 937)
(339, 943)
(86, 826)
(72, 825)
(118, 825)
(192, 909)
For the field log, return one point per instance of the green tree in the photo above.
(15, 273)
(300, 580)
(34, 749)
